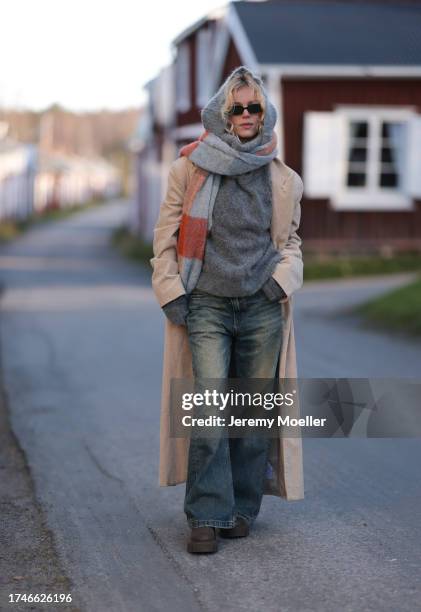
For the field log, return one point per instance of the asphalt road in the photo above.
(81, 342)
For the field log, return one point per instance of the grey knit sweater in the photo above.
(240, 255)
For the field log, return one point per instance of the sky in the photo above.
(87, 54)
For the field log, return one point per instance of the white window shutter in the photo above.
(203, 56)
(182, 69)
(324, 150)
(413, 165)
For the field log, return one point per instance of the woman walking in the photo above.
(227, 260)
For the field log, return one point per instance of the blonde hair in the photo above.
(245, 79)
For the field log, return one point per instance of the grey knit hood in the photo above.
(213, 122)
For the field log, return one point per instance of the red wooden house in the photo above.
(346, 79)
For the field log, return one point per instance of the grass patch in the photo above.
(132, 246)
(342, 266)
(399, 310)
(9, 230)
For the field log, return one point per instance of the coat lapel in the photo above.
(282, 205)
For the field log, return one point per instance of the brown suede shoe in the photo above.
(202, 540)
(240, 530)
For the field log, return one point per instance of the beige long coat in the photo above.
(285, 454)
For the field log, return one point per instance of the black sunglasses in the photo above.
(253, 109)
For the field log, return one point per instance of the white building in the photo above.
(18, 164)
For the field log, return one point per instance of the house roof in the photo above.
(214, 14)
(326, 32)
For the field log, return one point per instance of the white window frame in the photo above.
(182, 72)
(371, 197)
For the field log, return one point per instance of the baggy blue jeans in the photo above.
(225, 476)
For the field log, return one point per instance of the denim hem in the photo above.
(249, 519)
(210, 523)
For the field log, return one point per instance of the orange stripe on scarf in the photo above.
(192, 237)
